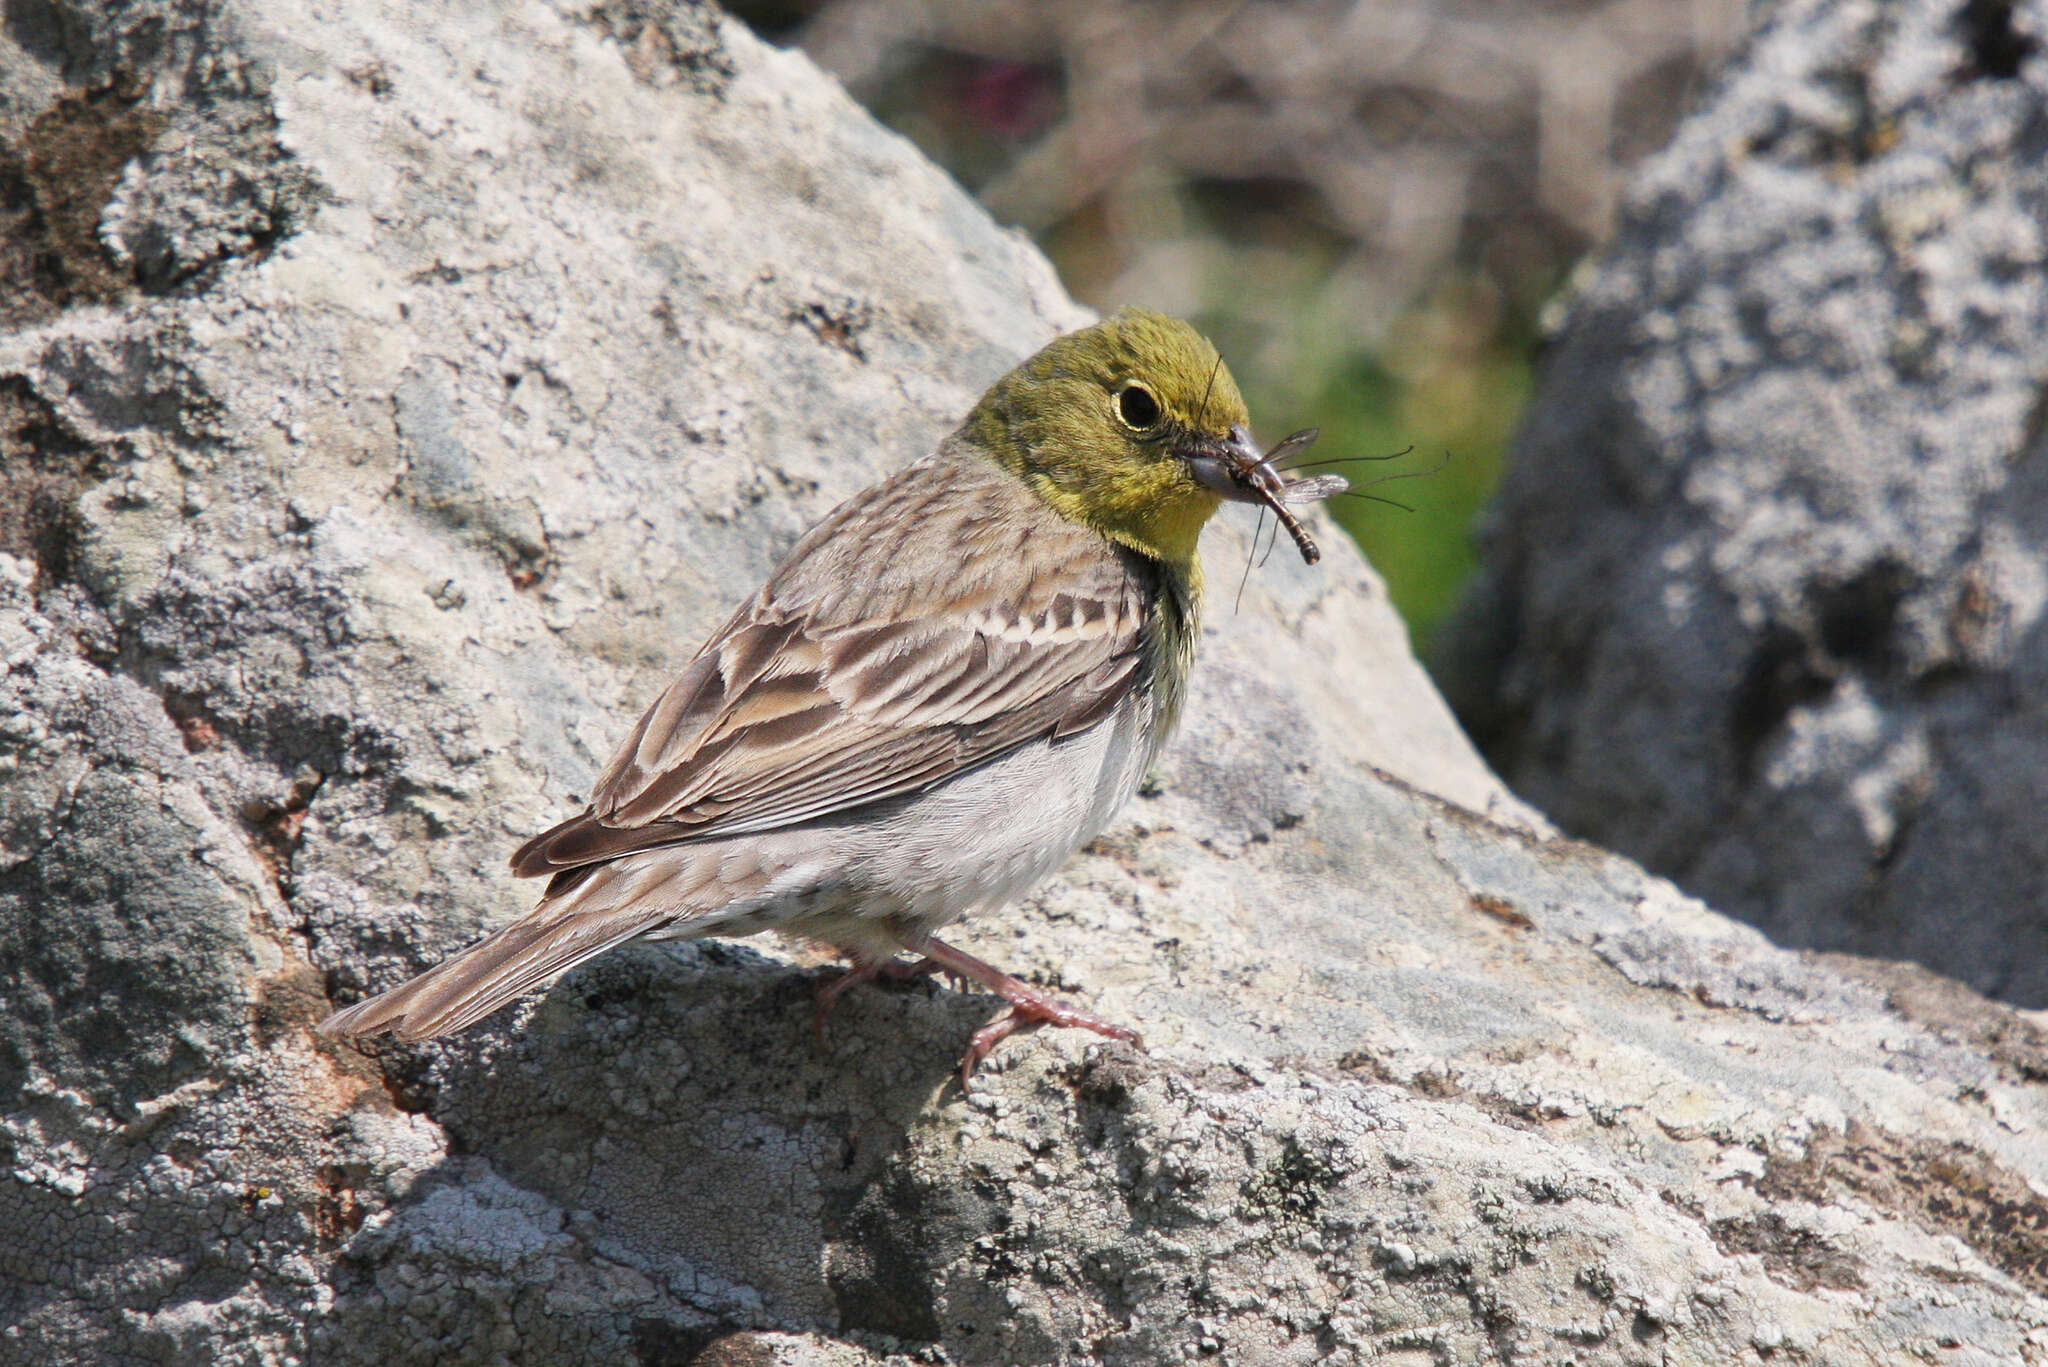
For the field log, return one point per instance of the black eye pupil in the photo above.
(1137, 406)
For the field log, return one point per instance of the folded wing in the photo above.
(905, 640)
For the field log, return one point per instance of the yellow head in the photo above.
(1128, 427)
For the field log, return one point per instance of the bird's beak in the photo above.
(1239, 471)
(1231, 466)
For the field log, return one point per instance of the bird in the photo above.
(948, 686)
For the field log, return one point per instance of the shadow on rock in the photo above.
(670, 1110)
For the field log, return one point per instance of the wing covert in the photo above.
(883, 657)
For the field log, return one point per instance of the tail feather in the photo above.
(585, 912)
(495, 970)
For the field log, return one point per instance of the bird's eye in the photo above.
(1136, 406)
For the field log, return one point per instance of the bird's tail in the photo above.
(564, 930)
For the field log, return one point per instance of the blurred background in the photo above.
(1366, 203)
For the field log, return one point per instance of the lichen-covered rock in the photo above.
(1762, 603)
(335, 555)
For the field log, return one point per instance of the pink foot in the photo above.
(1029, 1007)
(865, 971)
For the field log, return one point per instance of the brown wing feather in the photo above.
(905, 640)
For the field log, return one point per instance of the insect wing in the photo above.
(1314, 490)
(1293, 444)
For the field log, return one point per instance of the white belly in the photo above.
(898, 872)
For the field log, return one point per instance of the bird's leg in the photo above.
(865, 970)
(1029, 1007)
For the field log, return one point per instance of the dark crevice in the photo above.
(1856, 617)
(45, 467)
(836, 326)
(658, 1343)
(276, 827)
(1783, 673)
(2034, 427)
(1997, 50)
(1846, 626)
(55, 181)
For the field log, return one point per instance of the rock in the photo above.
(338, 552)
(1762, 600)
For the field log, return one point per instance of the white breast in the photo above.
(899, 872)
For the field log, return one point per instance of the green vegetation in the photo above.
(1454, 409)
(1447, 389)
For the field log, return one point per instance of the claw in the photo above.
(1030, 1008)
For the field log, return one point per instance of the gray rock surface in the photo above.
(425, 381)
(1763, 597)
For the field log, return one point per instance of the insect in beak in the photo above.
(1237, 470)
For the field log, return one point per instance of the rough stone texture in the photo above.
(1763, 601)
(336, 562)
